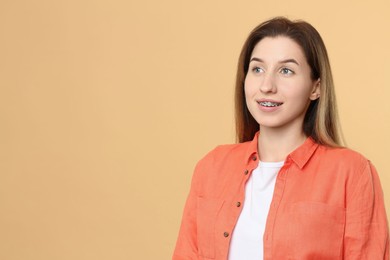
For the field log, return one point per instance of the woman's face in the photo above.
(278, 86)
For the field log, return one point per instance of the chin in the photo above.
(269, 124)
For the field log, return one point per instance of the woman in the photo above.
(288, 189)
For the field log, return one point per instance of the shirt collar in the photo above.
(303, 153)
(299, 156)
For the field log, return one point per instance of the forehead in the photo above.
(278, 48)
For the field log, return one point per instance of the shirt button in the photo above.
(246, 172)
(226, 234)
(238, 204)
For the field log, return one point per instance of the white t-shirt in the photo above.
(247, 238)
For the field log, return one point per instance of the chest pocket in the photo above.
(207, 213)
(316, 230)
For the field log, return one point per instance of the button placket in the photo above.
(277, 197)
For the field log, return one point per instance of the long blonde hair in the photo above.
(321, 120)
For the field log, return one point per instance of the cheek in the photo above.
(300, 90)
(249, 87)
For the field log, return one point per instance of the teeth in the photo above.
(270, 104)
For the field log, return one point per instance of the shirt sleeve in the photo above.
(366, 229)
(186, 245)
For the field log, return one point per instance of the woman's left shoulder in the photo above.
(345, 159)
(349, 164)
(343, 153)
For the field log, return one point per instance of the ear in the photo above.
(315, 94)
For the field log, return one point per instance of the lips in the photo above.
(269, 104)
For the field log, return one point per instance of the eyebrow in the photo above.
(282, 61)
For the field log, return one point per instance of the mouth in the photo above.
(269, 104)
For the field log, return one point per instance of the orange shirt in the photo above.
(327, 204)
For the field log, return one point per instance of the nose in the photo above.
(268, 84)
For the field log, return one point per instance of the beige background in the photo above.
(106, 106)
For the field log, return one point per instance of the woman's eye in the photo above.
(286, 71)
(257, 70)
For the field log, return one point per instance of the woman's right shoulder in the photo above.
(219, 163)
(226, 152)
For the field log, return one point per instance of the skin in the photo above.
(278, 72)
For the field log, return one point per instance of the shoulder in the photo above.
(222, 160)
(226, 151)
(345, 161)
(342, 155)
(360, 175)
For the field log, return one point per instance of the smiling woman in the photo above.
(288, 189)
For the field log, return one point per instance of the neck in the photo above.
(274, 145)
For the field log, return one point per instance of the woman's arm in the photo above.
(186, 245)
(366, 230)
